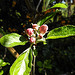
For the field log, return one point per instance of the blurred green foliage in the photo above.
(59, 54)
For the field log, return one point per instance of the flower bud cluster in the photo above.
(36, 32)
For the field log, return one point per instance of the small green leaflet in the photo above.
(12, 39)
(23, 64)
(2, 63)
(1, 72)
(61, 32)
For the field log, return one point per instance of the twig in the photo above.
(5, 53)
(34, 65)
(1, 35)
(34, 58)
(13, 52)
(45, 72)
(38, 5)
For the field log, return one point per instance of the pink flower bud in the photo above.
(32, 40)
(30, 31)
(35, 26)
(40, 36)
(43, 29)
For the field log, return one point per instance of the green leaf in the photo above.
(2, 31)
(41, 40)
(39, 63)
(5, 63)
(18, 14)
(12, 39)
(40, 70)
(61, 32)
(46, 17)
(1, 61)
(23, 64)
(1, 72)
(59, 5)
(47, 64)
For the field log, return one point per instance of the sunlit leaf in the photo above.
(5, 63)
(1, 61)
(41, 40)
(59, 5)
(12, 39)
(1, 72)
(61, 32)
(22, 65)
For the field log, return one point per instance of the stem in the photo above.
(13, 52)
(34, 65)
(45, 72)
(34, 58)
(5, 53)
(38, 5)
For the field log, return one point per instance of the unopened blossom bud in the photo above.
(35, 26)
(32, 40)
(43, 29)
(30, 31)
(40, 36)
